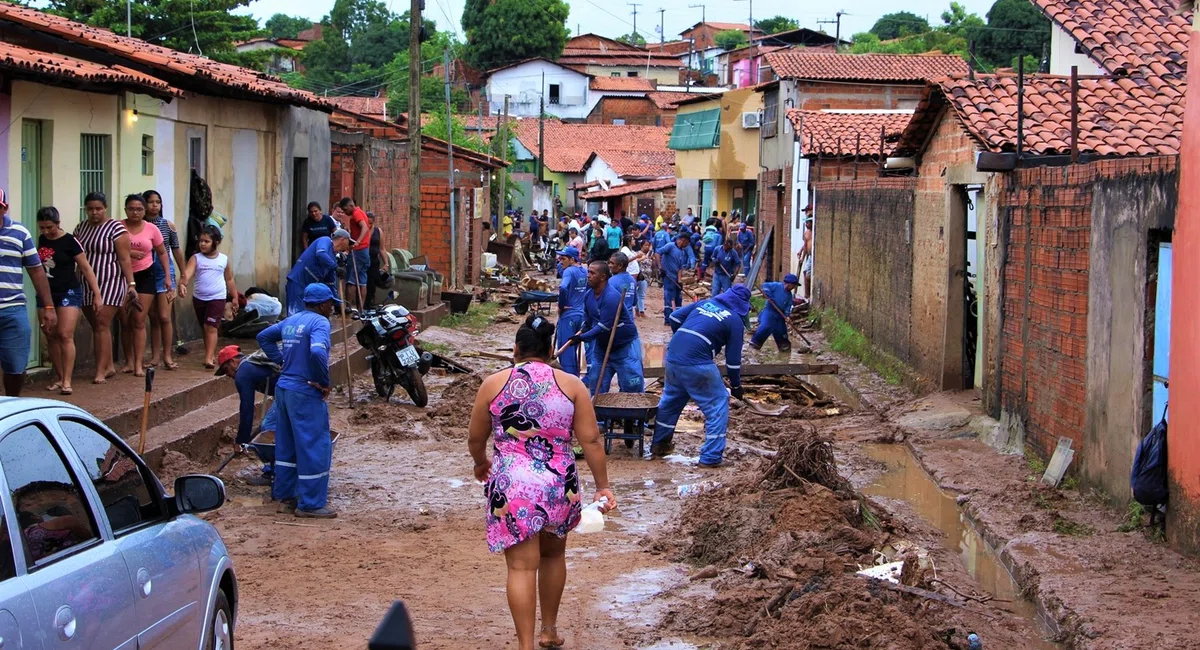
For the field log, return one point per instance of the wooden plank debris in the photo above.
(765, 369)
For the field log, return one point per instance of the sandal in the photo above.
(66, 391)
(170, 365)
(100, 381)
(55, 386)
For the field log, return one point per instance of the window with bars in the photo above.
(95, 154)
(147, 155)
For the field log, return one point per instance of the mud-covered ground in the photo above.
(760, 554)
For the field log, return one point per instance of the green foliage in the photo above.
(1064, 526)
(1017, 28)
(1032, 63)
(436, 128)
(951, 37)
(500, 32)
(197, 26)
(1133, 519)
(730, 39)
(433, 89)
(285, 26)
(1036, 466)
(633, 38)
(777, 24)
(843, 338)
(479, 315)
(900, 23)
(360, 38)
(435, 347)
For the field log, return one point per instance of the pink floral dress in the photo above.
(534, 486)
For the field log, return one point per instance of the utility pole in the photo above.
(662, 33)
(635, 6)
(701, 8)
(503, 129)
(129, 18)
(450, 174)
(542, 130)
(414, 126)
(837, 38)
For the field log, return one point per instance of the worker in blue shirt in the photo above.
(251, 374)
(621, 280)
(701, 330)
(710, 241)
(663, 235)
(318, 263)
(625, 357)
(725, 262)
(572, 294)
(770, 322)
(303, 449)
(745, 240)
(673, 258)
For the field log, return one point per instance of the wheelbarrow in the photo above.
(536, 299)
(626, 417)
(266, 450)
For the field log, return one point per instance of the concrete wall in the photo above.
(306, 135)
(634, 110)
(1063, 55)
(737, 155)
(1120, 324)
(525, 86)
(666, 76)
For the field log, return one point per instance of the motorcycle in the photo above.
(546, 258)
(389, 334)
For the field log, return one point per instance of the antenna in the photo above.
(635, 5)
(837, 38)
(701, 8)
(662, 34)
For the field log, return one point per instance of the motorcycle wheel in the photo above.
(416, 388)
(383, 386)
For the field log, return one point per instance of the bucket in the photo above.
(459, 301)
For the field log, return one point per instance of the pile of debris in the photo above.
(782, 547)
(808, 401)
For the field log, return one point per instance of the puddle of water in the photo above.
(906, 480)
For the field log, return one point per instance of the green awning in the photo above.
(699, 130)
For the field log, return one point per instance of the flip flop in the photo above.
(171, 366)
(55, 386)
(66, 391)
(100, 381)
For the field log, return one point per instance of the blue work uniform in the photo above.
(673, 260)
(711, 240)
(702, 329)
(745, 239)
(725, 269)
(253, 377)
(625, 358)
(572, 293)
(318, 263)
(303, 450)
(662, 237)
(770, 323)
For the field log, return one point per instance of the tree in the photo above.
(953, 36)
(777, 24)
(433, 90)
(900, 23)
(633, 38)
(285, 26)
(730, 39)
(200, 26)
(1016, 28)
(360, 39)
(500, 32)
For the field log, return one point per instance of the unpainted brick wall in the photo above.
(1048, 211)
(863, 261)
(634, 110)
(775, 210)
(818, 95)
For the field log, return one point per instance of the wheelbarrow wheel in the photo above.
(383, 385)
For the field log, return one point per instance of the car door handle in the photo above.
(64, 620)
(145, 585)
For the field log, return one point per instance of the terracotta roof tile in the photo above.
(1116, 117)
(834, 133)
(1126, 35)
(668, 100)
(599, 58)
(21, 60)
(630, 188)
(370, 106)
(800, 64)
(623, 84)
(639, 164)
(725, 26)
(569, 146)
(204, 70)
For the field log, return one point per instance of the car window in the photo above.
(8, 567)
(52, 514)
(117, 478)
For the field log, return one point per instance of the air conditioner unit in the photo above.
(750, 120)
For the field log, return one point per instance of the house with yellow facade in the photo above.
(716, 144)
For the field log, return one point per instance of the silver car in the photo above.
(93, 553)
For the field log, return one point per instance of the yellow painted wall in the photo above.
(737, 156)
(666, 76)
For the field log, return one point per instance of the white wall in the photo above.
(524, 86)
(1063, 56)
(601, 171)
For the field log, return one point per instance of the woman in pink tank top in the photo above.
(531, 484)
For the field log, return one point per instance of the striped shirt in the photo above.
(170, 238)
(16, 250)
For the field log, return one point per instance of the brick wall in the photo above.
(775, 210)
(664, 203)
(842, 169)
(634, 110)
(1044, 340)
(817, 95)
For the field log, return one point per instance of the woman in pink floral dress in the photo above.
(531, 485)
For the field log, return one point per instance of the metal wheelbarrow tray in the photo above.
(266, 450)
(632, 412)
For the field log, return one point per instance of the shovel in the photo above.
(772, 411)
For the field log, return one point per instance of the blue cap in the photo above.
(317, 293)
(736, 298)
(571, 252)
(791, 278)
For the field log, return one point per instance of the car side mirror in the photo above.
(394, 631)
(196, 493)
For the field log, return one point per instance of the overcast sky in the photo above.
(613, 17)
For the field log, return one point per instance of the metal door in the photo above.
(31, 196)
(646, 207)
(1162, 330)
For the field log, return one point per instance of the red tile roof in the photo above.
(370, 106)
(597, 42)
(623, 84)
(1126, 35)
(799, 64)
(569, 146)
(723, 27)
(19, 60)
(834, 133)
(599, 58)
(204, 71)
(630, 188)
(668, 100)
(1128, 116)
(638, 164)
